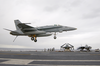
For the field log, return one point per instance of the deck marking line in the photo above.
(27, 61)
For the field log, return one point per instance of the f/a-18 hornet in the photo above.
(22, 29)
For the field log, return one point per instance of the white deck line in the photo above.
(27, 61)
(48, 60)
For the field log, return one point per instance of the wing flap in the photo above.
(34, 29)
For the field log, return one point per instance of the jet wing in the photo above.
(23, 25)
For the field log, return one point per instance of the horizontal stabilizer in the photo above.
(7, 29)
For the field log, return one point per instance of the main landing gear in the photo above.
(34, 38)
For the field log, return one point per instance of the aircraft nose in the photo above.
(74, 28)
(69, 28)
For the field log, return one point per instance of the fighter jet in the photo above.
(22, 29)
(85, 47)
(67, 47)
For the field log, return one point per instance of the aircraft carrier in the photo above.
(49, 58)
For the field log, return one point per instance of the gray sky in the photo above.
(81, 14)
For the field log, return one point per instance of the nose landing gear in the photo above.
(55, 35)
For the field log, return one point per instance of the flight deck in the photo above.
(49, 58)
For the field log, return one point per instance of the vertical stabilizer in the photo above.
(17, 28)
(16, 24)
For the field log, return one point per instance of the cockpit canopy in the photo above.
(57, 25)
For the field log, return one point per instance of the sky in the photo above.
(81, 14)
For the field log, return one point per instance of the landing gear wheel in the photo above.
(55, 37)
(35, 40)
(32, 38)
